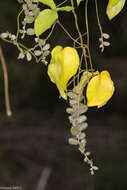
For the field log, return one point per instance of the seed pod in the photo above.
(13, 37)
(46, 47)
(38, 52)
(82, 136)
(72, 95)
(4, 35)
(73, 141)
(30, 31)
(41, 42)
(69, 110)
(106, 36)
(106, 43)
(95, 167)
(83, 126)
(74, 131)
(29, 19)
(24, 6)
(82, 109)
(81, 119)
(28, 56)
(83, 142)
(21, 55)
(72, 102)
(46, 53)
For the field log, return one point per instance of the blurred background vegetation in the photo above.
(35, 137)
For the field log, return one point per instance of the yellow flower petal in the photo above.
(99, 90)
(63, 65)
(69, 60)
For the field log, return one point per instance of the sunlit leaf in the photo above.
(114, 7)
(44, 21)
(50, 3)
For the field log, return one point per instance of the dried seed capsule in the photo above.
(72, 102)
(106, 43)
(106, 36)
(74, 131)
(37, 52)
(21, 55)
(13, 37)
(83, 126)
(46, 47)
(29, 19)
(4, 35)
(81, 119)
(69, 110)
(72, 95)
(46, 53)
(28, 56)
(82, 109)
(95, 168)
(73, 141)
(24, 7)
(82, 136)
(30, 31)
(83, 142)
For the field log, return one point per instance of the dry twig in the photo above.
(6, 92)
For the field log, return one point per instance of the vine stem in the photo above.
(18, 25)
(6, 91)
(80, 35)
(87, 29)
(59, 23)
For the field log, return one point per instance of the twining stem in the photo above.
(87, 29)
(6, 92)
(18, 25)
(80, 35)
(62, 3)
(98, 21)
(76, 23)
(59, 23)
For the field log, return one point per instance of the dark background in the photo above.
(35, 137)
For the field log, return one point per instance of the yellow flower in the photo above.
(63, 65)
(100, 89)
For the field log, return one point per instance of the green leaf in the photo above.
(66, 8)
(50, 3)
(79, 1)
(114, 7)
(44, 21)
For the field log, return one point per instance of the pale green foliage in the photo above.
(114, 7)
(44, 21)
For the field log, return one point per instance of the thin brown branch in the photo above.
(6, 92)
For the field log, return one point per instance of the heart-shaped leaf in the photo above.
(44, 21)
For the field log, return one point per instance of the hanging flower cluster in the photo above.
(90, 88)
(64, 64)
